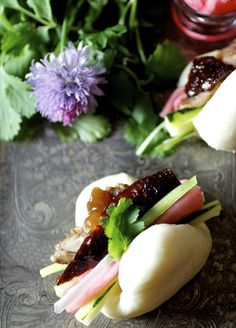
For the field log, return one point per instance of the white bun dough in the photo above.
(156, 265)
(216, 123)
(81, 211)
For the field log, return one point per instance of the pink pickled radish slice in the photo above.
(186, 205)
(173, 102)
(103, 279)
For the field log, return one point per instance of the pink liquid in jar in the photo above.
(206, 20)
(212, 7)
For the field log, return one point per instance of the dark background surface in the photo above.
(39, 183)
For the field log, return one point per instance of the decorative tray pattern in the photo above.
(39, 183)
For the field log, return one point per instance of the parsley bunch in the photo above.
(122, 38)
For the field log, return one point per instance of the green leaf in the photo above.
(89, 128)
(142, 121)
(104, 58)
(42, 8)
(5, 23)
(13, 4)
(94, 10)
(16, 102)
(121, 226)
(102, 38)
(19, 64)
(122, 92)
(25, 33)
(167, 62)
(30, 128)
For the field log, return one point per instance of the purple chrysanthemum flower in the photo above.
(66, 86)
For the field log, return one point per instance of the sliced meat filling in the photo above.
(66, 249)
(206, 72)
(144, 193)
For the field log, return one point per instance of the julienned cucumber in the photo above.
(208, 211)
(175, 128)
(166, 202)
(52, 268)
(156, 137)
(87, 313)
(168, 145)
(180, 121)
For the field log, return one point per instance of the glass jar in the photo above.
(209, 21)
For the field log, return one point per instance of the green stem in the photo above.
(68, 21)
(63, 33)
(132, 74)
(124, 13)
(133, 13)
(38, 19)
(74, 12)
(140, 46)
(147, 81)
(133, 25)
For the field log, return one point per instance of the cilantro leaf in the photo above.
(167, 62)
(89, 128)
(41, 8)
(102, 38)
(94, 10)
(18, 64)
(23, 34)
(4, 22)
(102, 58)
(142, 121)
(15, 103)
(13, 4)
(122, 226)
(122, 92)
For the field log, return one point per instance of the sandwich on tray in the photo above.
(203, 105)
(135, 244)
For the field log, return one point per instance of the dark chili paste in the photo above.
(144, 193)
(206, 72)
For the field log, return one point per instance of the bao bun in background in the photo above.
(216, 123)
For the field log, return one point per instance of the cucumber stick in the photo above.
(52, 268)
(166, 202)
(156, 137)
(175, 128)
(87, 313)
(168, 145)
(208, 211)
(180, 122)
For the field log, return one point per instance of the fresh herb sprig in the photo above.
(120, 35)
(121, 226)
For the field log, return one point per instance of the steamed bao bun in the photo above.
(156, 265)
(158, 262)
(216, 123)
